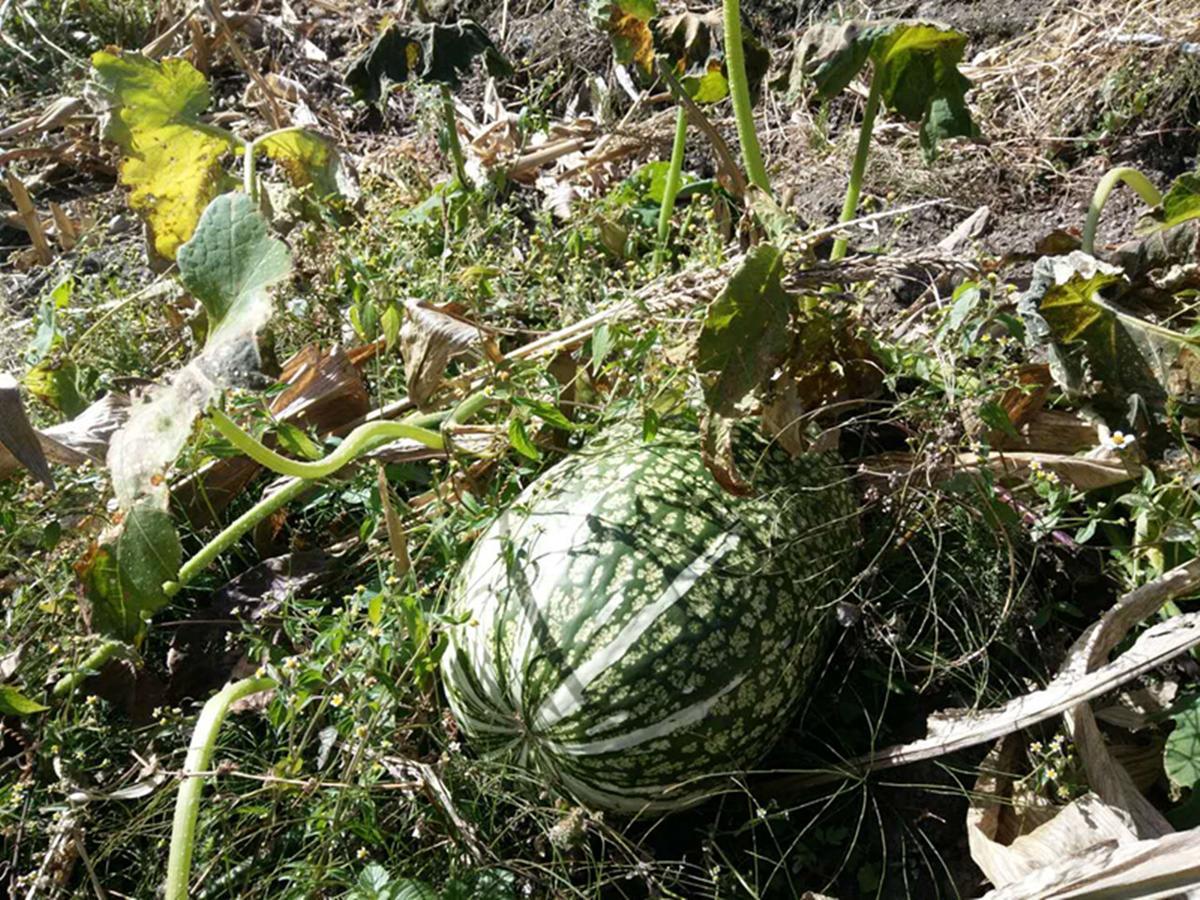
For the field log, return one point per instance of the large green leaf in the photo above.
(171, 158)
(916, 64)
(627, 24)
(424, 51)
(1096, 348)
(694, 43)
(745, 334)
(123, 576)
(230, 264)
(1181, 203)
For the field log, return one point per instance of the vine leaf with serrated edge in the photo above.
(694, 43)
(1094, 347)
(916, 62)
(423, 51)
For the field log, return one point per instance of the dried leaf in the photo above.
(694, 43)
(397, 539)
(17, 436)
(627, 23)
(430, 337)
(716, 449)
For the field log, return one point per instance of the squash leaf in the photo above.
(1094, 347)
(745, 333)
(1181, 756)
(229, 265)
(123, 575)
(171, 158)
(916, 62)
(695, 45)
(1181, 203)
(425, 51)
(627, 24)
(309, 160)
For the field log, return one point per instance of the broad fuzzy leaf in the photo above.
(229, 265)
(915, 62)
(695, 45)
(745, 334)
(171, 158)
(123, 576)
(1094, 347)
(627, 24)
(424, 51)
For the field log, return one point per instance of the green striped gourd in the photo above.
(636, 634)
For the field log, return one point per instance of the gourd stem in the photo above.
(1132, 177)
(859, 167)
(739, 94)
(233, 533)
(456, 151)
(199, 756)
(354, 443)
(90, 666)
(671, 189)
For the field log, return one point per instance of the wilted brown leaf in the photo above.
(430, 337)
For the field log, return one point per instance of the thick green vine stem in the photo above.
(354, 443)
(456, 151)
(1132, 177)
(199, 756)
(671, 189)
(92, 663)
(739, 94)
(859, 167)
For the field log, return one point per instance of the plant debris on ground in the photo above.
(871, 330)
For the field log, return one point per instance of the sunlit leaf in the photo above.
(1095, 348)
(915, 63)
(745, 334)
(123, 576)
(56, 383)
(627, 24)
(311, 161)
(14, 703)
(171, 158)
(424, 51)
(229, 265)
(1181, 203)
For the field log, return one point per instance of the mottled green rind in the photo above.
(599, 539)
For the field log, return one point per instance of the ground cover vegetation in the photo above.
(608, 449)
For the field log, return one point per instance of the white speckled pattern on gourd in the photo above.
(636, 631)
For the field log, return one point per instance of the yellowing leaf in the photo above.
(627, 23)
(171, 158)
(308, 159)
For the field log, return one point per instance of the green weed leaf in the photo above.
(14, 703)
(424, 51)
(123, 576)
(519, 438)
(745, 333)
(915, 62)
(171, 158)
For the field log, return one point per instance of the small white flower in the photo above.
(1118, 440)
